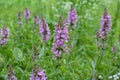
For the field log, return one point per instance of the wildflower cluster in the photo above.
(105, 25)
(44, 29)
(4, 35)
(11, 74)
(61, 36)
(38, 74)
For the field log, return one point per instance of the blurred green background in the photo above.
(18, 50)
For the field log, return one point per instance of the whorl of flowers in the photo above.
(38, 74)
(44, 29)
(105, 25)
(72, 16)
(4, 35)
(66, 23)
(61, 36)
(26, 14)
(11, 74)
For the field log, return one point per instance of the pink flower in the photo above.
(38, 74)
(4, 35)
(26, 14)
(44, 30)
(72, 16)
(105, 25)
(61, 36)
(11, 74)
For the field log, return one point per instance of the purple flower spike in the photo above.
(35, 20)
(44, 29)
(11, 74)
(38, 74)
(26, 14)
(4, 35)
(61, 36)
(105, 25)
(72, 16)
(19, 18)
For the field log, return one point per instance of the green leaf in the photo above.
(42, 51)
(18, 54)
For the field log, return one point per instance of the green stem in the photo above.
(101, 55)
(70, 48)
(25, 70)
(57, 68)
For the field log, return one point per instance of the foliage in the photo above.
(80, 63)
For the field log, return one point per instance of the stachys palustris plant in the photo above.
(38, 74)
(4, 35)
(105, 25)
(11, 74)
(26, 14)
(72, 16)
(60, 37)
(44, 29)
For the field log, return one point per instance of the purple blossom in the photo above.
(61, 36)
(4, 35)
(38, 74)
(72, 16)
(11, 75)
(44, 30)
(26, 14)
(105, 25)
